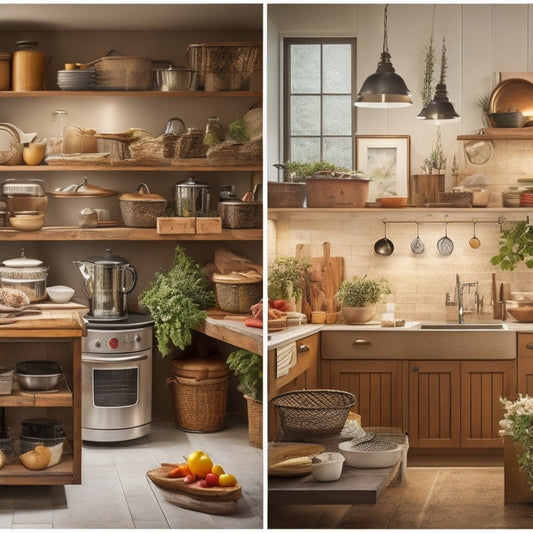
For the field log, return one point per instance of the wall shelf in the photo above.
(75, 233)
(194, 165)
(131, 94)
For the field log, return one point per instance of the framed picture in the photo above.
(386, 160)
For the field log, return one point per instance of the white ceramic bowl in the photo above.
(327, 466)
(368, 455)
(60, 294)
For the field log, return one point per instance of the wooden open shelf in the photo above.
(122, 233)
(18, 474)
(131, 94)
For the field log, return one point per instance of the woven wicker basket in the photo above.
(241, 215)
(199, 405)
(6, 378)
(191, 144)
(224, 66)
(282, 194)
(237, 296)
(308, 414)
(255, 422)
(123, 73)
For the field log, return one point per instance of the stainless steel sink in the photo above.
(448, 326)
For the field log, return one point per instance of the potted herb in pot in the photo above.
(358, 298)
(176, 299)
(248, 368)
(286, 278)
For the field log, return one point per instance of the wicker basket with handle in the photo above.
(122, 73)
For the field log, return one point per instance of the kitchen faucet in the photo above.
(459, 297)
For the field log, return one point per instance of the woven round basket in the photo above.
(255, 422)
(237, 296)
(199, 405)
(123, 73)
(308, 414)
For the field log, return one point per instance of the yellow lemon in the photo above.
(227, 480)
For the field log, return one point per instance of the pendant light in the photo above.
(440, 109)
(384, 88)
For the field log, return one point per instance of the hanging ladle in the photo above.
(445, 244)
(384, 246)
(474, 241)
(417, 246)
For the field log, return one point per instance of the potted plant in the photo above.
(248, 367)
(176, 299)
(291, 190)
(358, 298)
(286, 278)
(516, 246)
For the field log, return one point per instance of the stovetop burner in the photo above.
(129, 321)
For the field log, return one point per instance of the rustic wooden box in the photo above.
(209, 225)
(176, 225)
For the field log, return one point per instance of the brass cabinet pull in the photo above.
(529, 345)
(415, 369)
(303, 348)
(361, 342)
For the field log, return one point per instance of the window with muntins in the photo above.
(319, 91)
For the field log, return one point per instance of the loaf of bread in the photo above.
(12, 299)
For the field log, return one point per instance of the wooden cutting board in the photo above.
(326, 274)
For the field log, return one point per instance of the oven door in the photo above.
(116, 390)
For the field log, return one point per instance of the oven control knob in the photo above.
(138, 338)
(113, 343)
(97, 344)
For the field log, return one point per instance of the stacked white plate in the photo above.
(75, 80)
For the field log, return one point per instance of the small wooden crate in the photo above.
(208, 225)
(176, 225)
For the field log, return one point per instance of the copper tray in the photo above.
(513, 93)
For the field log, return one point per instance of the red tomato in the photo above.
(191, 478)
(212, 479)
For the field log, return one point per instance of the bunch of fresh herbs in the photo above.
(248, 368)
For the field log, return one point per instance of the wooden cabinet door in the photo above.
(525, 364)
(377, 386)
(434, 403)
(303, 375)
(483, 383)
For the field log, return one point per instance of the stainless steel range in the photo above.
(117, 379)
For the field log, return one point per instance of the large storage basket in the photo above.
(237, 296)
(255, 422)
(6, 378)
(123, 73)
(224, 66)
(241, 215)
(199, 405)
(308, 414)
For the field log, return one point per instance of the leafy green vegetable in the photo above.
(362, 291)
(176, 299)
(238, 130)
(286, 278)
(516, 246)
(248, 368)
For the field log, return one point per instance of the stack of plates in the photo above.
(75, 80)
(526, 199)
(511, 197)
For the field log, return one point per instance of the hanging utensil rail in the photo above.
(500, 221)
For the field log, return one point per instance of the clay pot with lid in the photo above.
(142, 208)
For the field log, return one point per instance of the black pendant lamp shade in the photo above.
(384, 88)
(440, 108)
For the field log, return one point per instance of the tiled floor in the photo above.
(115, 492)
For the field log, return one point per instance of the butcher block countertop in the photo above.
(54, 321)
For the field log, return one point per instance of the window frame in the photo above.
(286, 115)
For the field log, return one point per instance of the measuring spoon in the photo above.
(474, 241)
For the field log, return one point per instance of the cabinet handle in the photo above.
(361, 342)
(529, 345)
(415, 369)
(302, 348)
